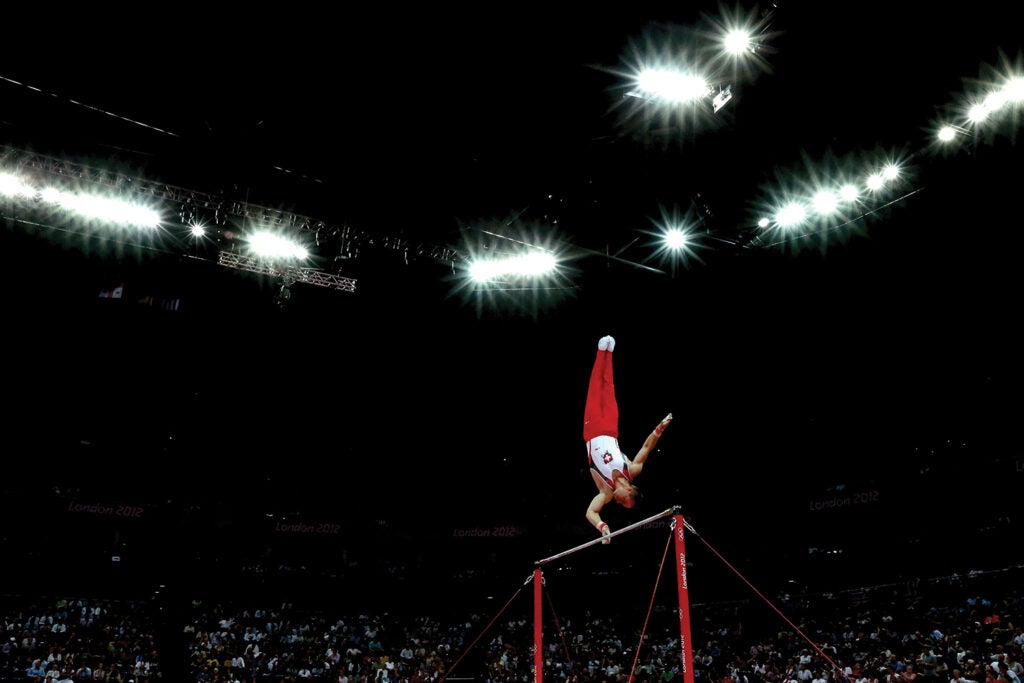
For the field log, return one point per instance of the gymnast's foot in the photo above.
(606, 343)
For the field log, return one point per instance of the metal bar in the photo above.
(601, 539)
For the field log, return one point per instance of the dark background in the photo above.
(855, 391)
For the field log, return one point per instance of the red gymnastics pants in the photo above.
(601, 415)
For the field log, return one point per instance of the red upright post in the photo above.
(685, 645)
(538, 649)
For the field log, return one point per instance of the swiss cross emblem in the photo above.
(607, 457)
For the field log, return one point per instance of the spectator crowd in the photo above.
(954, 629)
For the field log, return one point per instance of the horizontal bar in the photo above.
(602, 539)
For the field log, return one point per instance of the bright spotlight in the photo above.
(269, 245)
(978, 113)
(825, 202)
(790, 215)
(849, 193)
(736, 41)
(536, 263)
(12, 186)
(530, 265)
(109, 210)
(1013, 91)
(675, 239)
(672, 86)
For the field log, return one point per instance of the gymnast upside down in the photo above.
(613, 472)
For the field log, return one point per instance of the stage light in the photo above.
(791, 215)
(669, 85)
(736, 41)
(529, 265)
(849, 193)
(1013, 91)
(272, 246)
(12, 186)
(676, 239)
(824, 202)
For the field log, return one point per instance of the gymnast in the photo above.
(613, 472)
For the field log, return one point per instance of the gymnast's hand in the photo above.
(665, 422)
(606, 532)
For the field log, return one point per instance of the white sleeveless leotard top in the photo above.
(605, 457)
